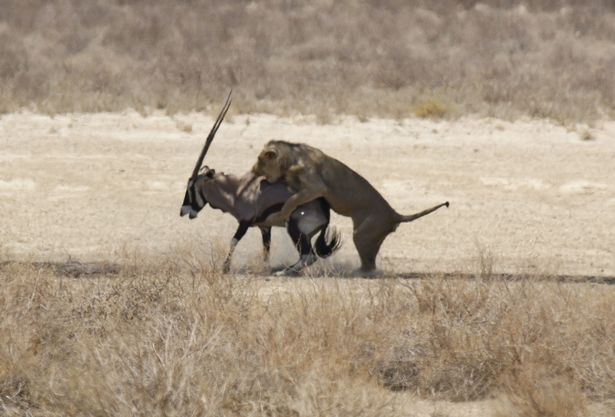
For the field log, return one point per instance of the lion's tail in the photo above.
(412, 217)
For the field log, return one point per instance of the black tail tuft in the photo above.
(329, 240)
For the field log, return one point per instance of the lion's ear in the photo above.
(269, 154)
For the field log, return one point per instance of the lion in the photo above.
(314, 174)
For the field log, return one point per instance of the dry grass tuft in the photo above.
(183, 126)
(586, 135)
(432, 107)
(174, 337)
(537, 391)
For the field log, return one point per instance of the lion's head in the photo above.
(273, 162)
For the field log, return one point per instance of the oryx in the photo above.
(251, 199)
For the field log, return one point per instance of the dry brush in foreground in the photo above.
(161, 340)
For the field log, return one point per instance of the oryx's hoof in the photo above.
(287, 272)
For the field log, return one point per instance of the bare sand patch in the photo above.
(526, 193)
(17, 184)
(582, 186)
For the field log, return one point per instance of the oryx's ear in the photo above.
(210, 173)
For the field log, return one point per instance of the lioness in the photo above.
(313, 174)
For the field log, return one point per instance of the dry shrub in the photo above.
(432, 107)
(466, 336)
(586, 135)
(540, 58)
(199, 344)
(536, 391)
(174, 337)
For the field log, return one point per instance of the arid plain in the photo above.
(531, 196)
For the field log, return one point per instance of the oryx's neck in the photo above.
(221, 192)
(242, 196)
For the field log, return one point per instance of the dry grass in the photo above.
(586, 135)
(541, 58)
(177, 338)
(432, 107)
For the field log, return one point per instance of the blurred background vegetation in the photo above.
(390, 58)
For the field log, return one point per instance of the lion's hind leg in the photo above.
(368, 237)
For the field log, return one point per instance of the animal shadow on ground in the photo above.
(78, 269)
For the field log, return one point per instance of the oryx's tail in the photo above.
(329, 240)
(412, 217)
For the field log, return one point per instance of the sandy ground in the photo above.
(526, 196)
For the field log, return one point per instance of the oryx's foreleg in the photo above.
(241, 231)
(266, 234)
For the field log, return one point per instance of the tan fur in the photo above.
(313, 174)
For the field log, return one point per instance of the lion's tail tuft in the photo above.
(412, 217)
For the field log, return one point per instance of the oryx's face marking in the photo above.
(194, 200)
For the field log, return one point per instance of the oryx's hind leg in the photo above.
(302, 242)
(266, 235)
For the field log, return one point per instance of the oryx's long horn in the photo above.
(211, 135)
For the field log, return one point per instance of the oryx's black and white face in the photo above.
(195, 199)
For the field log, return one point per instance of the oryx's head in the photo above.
(194, 201)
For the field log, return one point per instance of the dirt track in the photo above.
(527, 196)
